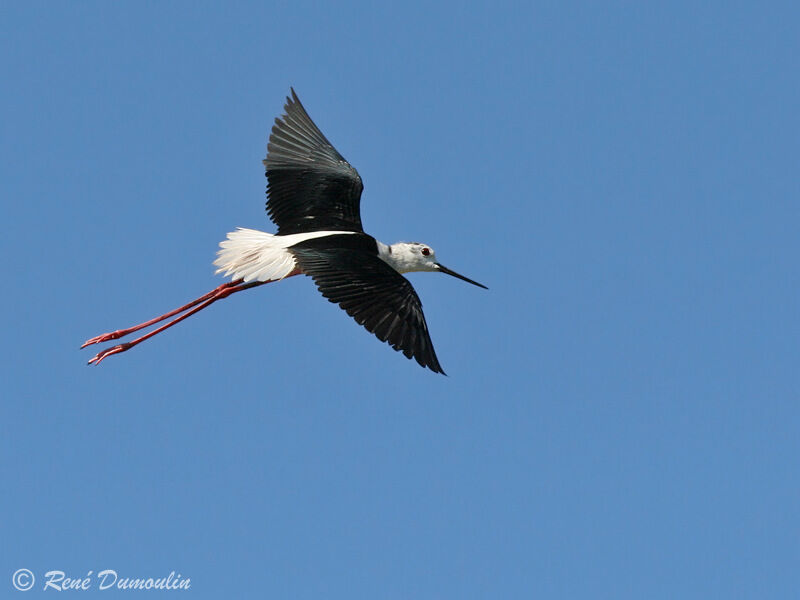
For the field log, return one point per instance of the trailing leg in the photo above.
(218, 293)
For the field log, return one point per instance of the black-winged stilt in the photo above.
(313, 198)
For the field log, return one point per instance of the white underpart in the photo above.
(254, 255)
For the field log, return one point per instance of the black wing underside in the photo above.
(311, 187)
(375, 295)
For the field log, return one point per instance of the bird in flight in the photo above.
(313, 197)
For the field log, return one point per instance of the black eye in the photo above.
(426, 251)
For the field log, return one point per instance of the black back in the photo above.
(347, 270)
(311, 187)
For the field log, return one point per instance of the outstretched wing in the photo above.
(311, 187)
(375, 295)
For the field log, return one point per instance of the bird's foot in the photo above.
(108, 352)
(106, 337)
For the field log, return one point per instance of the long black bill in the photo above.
(444, 269)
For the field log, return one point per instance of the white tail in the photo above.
(254, 255)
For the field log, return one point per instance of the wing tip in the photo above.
(433, 365)
(427, 359)
(291, 100)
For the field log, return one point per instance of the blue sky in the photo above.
(620, 418)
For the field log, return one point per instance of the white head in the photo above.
(406, 257)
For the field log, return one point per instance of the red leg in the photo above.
(114, 335)
(218, 293)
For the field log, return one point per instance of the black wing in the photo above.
(311, 187)
(375, 295)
